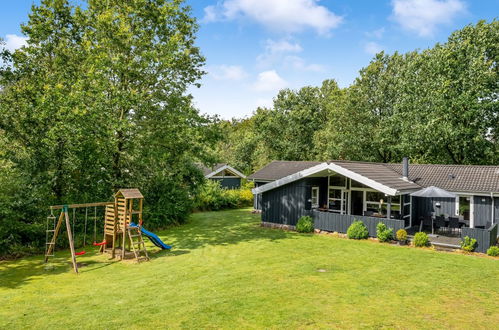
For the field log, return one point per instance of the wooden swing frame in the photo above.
(65, 216)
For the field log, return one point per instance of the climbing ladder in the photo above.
(49, 235)
(138, 246)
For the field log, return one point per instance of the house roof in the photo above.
(386, 178)
(214, 170)
(455, 178)
(130, 193)
(279, 169)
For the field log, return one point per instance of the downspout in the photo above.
(493, 209)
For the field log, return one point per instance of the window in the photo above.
(337, 181)
(337, 200)
(463, 207)
(377, 202)
(315, 197)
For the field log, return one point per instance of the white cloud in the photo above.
(269, 81)
(13, 42)
(298, 63)
(227, 72)
(378, 33)
(280, 15)
(372, 48)
(423, 16)
(275, 50)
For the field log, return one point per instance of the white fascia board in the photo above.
(325, 166)
(226, 167)
(290, 178)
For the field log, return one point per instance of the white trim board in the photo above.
(327, 167)
(225, 167)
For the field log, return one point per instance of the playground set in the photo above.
(122, 236)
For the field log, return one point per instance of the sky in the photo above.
(254, 48)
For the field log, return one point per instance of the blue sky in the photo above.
(253, 48)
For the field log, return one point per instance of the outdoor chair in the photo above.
(427, 222)
(368, 213)
(440, 222)
(454, 223)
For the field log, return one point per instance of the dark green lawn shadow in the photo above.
(17, 273)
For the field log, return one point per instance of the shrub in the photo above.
(357, 230)
(468, 244)
(401, 235)
(421, 239)
(384, 233)
(493, 251)
(213, 197)
(305, 225)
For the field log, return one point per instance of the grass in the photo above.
(225, 272)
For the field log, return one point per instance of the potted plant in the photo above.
(401, 236)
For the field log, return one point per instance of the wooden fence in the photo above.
(340, 222)
(484, 237)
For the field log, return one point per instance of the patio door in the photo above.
(345, 203)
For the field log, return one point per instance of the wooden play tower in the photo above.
(123, 220)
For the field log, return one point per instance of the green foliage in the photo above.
(97, 100)
(212, 196)
(468, 244)
(401, 235)
(434, 106)
(384, 233)
(493, 251)
(357, 230)
(305, 224)
(421, 239)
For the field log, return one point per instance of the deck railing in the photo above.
(485, 238)
(340, 222)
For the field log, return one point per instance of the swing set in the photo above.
(119, 229)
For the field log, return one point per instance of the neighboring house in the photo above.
(228, 176)
(285, 191)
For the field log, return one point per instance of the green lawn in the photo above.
(225, 272)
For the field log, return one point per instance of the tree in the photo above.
(98, 100)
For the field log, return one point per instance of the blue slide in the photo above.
(153, 238)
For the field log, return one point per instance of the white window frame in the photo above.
(472, 207)
(315, 204)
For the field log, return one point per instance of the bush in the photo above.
(401, 235)
(357, 230)
(421, 239)
(384, 233)
(493, 251)
(305, 225)
(468, 244)
(212, 197)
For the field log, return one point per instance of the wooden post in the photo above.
(389, 207)
(115, 228)
(140, 211)
(54, 237)
(124, 230)
(70, 237)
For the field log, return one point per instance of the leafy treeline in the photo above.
(439, 105)
(97, 101)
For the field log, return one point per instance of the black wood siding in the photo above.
(286, 204)
(424, 206)
(482, 210)
(229, 183)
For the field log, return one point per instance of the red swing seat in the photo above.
(100, 244)
(80, 253)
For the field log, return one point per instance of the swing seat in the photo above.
(80, 253)
(100, 244)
